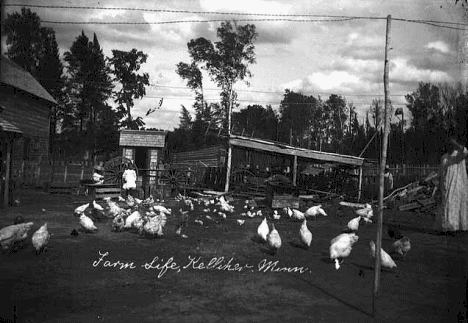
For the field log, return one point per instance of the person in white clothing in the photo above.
(453, 211)
(129, 180)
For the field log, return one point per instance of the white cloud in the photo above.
(332, 81)
(401, 70)
(438, 45)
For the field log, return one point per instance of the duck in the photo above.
(274, 239)
(263, 230)
(314, 211)
(341, 246)
(13, 234)
(385, 258)
(353, 224)
(40, 239)
(87, 224)
(305, 234)
(402, 246)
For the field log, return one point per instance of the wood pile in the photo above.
(417, 196)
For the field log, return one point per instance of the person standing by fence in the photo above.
(388, 181)
(452, 214)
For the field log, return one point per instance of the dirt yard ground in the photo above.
(220, 274)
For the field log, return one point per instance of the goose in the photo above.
(305, 234)
(40, 239)
(263, 230)
(274, 239)
(385, 258)
(341, 246)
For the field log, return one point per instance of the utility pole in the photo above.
(383, 160)
(229, 147)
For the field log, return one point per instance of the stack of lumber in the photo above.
(418, 196)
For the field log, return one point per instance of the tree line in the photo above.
(86, 82)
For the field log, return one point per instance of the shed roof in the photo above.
(281, 148)
(142, 138)
(13, 75)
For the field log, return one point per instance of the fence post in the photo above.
(65, 171)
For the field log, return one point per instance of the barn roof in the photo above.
(281, 148)
(13, 75)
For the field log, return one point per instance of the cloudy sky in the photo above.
(308, 54)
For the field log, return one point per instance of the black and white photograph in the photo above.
(234, 161)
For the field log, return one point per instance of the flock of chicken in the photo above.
(148, 217)
(340, 246)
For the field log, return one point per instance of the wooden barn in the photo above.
(24, 126)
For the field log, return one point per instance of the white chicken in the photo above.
(385, 258)
(155, 225)
(274, 239)
(12, 234)
(276, 215)
(161, 209)
(148, 201)
(314, 211)
(97, 206)
(366, 212)
(297, 215)
(138, 224)
(353, 224)
(40, 239)
(263, 230)
(80, 209)
(341, 246)
(240, 222)
(402, 246)
(113, 208)
(87, 224)
(305, 234)
(224, 205)
(132, 217)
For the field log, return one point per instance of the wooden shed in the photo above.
(145, 148)
(24, 126)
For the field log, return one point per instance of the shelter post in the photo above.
(294, 179)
